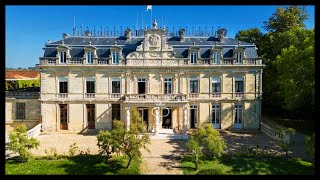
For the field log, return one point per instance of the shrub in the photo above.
(309, 142)
(20, 143)
(73, 149)
(52, 154)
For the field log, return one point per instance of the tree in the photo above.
(20, 143)
(309, 143)
(206, 140)
(285, 19)
(127, 142)
(295, 66)
(253, 35)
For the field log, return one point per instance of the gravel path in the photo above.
(163, 157)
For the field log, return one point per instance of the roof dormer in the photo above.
(194, 54)
(115, 53)
(90, 53)
(239, 53)
(63, 53)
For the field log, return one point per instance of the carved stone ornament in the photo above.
(154, 40)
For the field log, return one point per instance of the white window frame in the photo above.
(194, 79)
(217, 112)
(239, 57)
(90, 56)
(61, 57)
(237, 108)
(216, 57)
(193, 57)
(194, 106)
(166, 85)
(239, 78)
(115, 57)
(215, 80)
(62, 79)
(95, 84)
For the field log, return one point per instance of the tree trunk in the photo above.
(129, 162)
(197, 162)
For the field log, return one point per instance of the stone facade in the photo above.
(145, 66)
(32, 111)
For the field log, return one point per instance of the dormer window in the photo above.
(239, 58)
(193, 57)
(216, 57)
(115, 58)
(63, 57)
(90, 57)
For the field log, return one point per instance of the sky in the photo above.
(28, 28)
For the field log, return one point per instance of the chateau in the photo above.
(175, 82)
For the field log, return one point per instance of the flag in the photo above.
(149, 7)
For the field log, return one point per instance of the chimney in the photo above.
(127, 33)
(181, 34)
(221, 33)
(65, 36)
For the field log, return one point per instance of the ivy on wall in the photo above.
(19, 84)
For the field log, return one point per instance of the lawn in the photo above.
(231, 165)
(76, 165)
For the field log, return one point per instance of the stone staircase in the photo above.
(168, 134)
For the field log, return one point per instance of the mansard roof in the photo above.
(180, 48)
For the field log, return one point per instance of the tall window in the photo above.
(90, 86)
(216, 58)
(239, 84)
(63, 86)
(115, 112)
(167, 86)
(194, 58)
(194, 86)
(216, 115)
(115, 58)
(239, 58)
(90, 57)
(21, 110)
(216, 85)
(116, 86)
(63, 56)
(238, 116)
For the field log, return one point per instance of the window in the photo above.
(239, 58)
(238, 115)
(216, 58)
(239, 84)
(216, 85)
(115, 58)
(194, 58)
(90, 57)
(167, 86)
(193, 116)
(116, 86)
(90, 86)
(193, 86)
(216, 115)
(115, 112)
(21, 110)
(141, 86)
(63, 57)
(63, 86)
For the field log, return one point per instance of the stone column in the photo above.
(156, 120)
(184, 119)
(127, 117)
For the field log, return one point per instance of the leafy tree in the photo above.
(296, 70)
(127, 142)
(20, 143)
(285, 19)
(207, 140)
(288, 140)
(195, 149)
(253, 35)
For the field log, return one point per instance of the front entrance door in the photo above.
(193, 116)
(166, 118)
(63, 116)
(144, 116)
(91, 116)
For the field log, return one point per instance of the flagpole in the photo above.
(151, 18)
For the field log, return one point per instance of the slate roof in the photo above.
(180, 47)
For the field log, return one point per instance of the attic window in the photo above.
(63, 57)
(90, 57)
(216, 57)
(193, 57)
(239, 58)
(115, 58)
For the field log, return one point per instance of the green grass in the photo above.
(231, 165)
(76, 165)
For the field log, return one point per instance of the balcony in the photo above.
(151, 62)
(89, 95)
(62, 95)
(193, 95)
(239, 94)
(116, 95)
(216, 94)
(153, 97)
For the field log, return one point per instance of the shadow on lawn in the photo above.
(92, 164)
